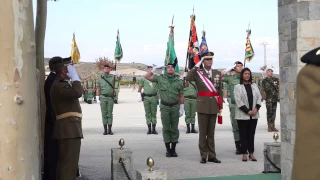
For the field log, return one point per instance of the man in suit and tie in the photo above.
(209, 104)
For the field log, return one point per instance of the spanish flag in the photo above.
(75, 54)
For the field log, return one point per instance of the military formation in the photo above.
(201, 91)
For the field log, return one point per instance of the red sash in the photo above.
(219, 100)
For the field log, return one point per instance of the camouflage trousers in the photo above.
(271, 110)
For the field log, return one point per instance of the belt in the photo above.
(169, 104)
(190, 97)
(219, 101)
(107, 95)
(149, 95)
(68, 114)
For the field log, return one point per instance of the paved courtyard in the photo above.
(129, 124)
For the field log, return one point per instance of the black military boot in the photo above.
(168, 153)
(192, 129)
(89, 101)
(154, 129)
(105, 129)
(149, 129)
(188, 128)
(238, 147)
(115, 101)
(110, 131)
(173, 150)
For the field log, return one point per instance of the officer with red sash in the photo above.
(209, 105)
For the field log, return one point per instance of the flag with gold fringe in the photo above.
(171, 56)
(75, 53)
(249, 52)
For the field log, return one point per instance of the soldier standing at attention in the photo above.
(105, 96)
(190, 103)
(270, 92)
(150, 99)
(90, 88)
(171, 105)
(68, 127)
(231, 82)
(209, 105)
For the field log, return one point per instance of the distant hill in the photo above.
(127, 70)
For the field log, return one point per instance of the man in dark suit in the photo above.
(50, 145)
(209, 105)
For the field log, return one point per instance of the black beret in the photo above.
(312, 57)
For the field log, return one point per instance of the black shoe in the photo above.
(105, 129)
(214, 160)
(238, 147)
(109, 130)
(168, 154)
(188, 128)
(244, 160)
(149, 129)
(192, 129)
(252, 159)
(78, 173)
(173, 150)
(115, 101)
(154, 129)
(203, 160)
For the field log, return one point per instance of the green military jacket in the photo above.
(169, 90)
(90, 84)
(231, 82)
(191, 91)
(270, 86)
(149, 88)
(106, 89)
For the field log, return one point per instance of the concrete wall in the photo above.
(299, 26)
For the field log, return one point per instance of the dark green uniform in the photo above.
(90, 87)
(85, 91)
(169, 89)
(68, 126)
(231, 82)
(116, 89)
(190, 103)
(149, 100)
(270, 86)
(106, 97)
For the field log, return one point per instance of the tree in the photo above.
(19, 122)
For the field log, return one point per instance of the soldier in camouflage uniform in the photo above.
(231, 82)
(85, 90)
(90, 88)
(270, 88)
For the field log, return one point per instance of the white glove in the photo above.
(184, 74)
(228, 69)
(139, 97)
(98, 100)
(116, 74)
(72, 73)
(181, 111)
(199, 63)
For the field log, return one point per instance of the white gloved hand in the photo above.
(228, 69)
(72, 73)
(98, 99)
(139, 97)
(116, 74)
(181, 111)
(199, 63)
(184, 74)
